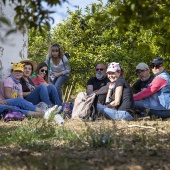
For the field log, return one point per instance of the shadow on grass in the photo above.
(42, 145)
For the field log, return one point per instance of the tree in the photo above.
(114, 32)
(33, 14)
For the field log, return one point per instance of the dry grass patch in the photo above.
(103, 144)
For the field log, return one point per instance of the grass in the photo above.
(103, 144)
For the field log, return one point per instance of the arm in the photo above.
(118, 96)
(8, 92)
(102, 90)
(156, 85)
(66, 65)
(89, 89)
(2, 101)
(25, 94)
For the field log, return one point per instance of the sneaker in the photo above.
(59, 110)
(49, 111)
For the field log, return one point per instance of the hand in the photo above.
(110, 105)
(57, 74)
(3, 102)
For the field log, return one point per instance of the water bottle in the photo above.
(59, 119)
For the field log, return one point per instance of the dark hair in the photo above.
(27, 63)
(59, 48)
(41, 65)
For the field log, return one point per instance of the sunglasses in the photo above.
(156, 66)
(46, 71)
(101, 69)
(140, 71)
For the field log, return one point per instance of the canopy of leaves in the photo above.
(126, 31)
(33, 13)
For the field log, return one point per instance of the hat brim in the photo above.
(33, 63)
(111, 70)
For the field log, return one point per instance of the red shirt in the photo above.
(37, 80)
(156, 85)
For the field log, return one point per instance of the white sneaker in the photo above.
(59, 109)
(49, 111)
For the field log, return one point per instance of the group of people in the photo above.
(150, 95)
(29, 84)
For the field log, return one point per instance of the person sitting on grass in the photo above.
(119, 101)
(97, 82)
(145, 78)
(11, 87)
(155, 99)
(40, 77)
(21, 105)
(33, 94)
(11, 95)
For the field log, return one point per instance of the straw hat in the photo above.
(33, 63)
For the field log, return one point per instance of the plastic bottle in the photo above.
(59, 119)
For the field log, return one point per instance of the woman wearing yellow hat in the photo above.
(11, 87)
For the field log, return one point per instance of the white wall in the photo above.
(14, 46)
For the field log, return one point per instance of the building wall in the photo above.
(14, 46)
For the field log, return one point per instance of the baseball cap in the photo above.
(157, 60)
(142, 66)
(113, 67)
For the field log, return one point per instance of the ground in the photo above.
(104, 144)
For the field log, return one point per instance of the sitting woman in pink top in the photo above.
(12, 95)
(41, 77)
(11, 87)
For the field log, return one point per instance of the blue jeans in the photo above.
(58, 82)
(18, 104)
(114, 114)
(139, 105)
(47, 94)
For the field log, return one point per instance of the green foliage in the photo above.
(33, 14)
(127, 32)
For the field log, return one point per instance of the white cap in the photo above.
(113, 67)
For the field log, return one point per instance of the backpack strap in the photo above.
(49, 65)
(63, 63)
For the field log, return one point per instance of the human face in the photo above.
(17, 74)
(113, 76)
(100, 71)
(43, 71)
(143, 74)
(157, 69)
(27, 70)
(55, 52)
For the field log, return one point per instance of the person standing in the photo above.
(59, 67)
(95, 83)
